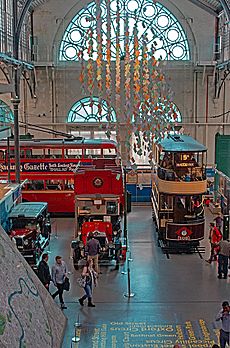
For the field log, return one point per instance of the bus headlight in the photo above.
(26, 242)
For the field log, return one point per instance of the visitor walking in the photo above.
(90, 277)
(223, 257)
(219, 221)
(44, 271)
(59, 273)
(92, 248)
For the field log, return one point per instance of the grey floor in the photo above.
(175, 300)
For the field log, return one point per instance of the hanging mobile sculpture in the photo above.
(149, 112)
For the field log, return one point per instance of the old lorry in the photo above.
(30, 229)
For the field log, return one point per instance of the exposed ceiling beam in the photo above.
(226, 8)
(205, 7)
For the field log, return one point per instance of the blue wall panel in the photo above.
(139, 195)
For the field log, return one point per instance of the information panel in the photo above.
(146, 335)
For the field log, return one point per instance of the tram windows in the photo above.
(12, 154)
(69, 185)
(166, 202)
(73, 153)
(54, 185)
(34, 185)
(93, 153)
(53, 153)
(28, 153)
(109, 153)
(179, 210)
(166, 161)
(34, 153)
(2, 155)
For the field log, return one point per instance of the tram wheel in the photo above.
(76, 267)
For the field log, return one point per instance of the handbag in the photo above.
(66, 284)
(81, 282)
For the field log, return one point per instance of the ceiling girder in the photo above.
(204, 7)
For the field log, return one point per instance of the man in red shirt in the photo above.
(215, 237)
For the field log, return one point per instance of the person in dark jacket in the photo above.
(44, 271)
(92, 248)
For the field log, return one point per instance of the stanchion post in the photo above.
(76, 338)
(77, 323)
(129, 294)
(124, 272)
(55, 227)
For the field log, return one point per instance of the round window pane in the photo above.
(75, 35)
(158, 43)
(85, 21)
(132, 5)
(113, 6)
(178, 51)
(70, 52)
(172, 35)
(149, 11)
(163, 21)
(160, 54)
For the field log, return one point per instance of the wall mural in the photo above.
(24, 302)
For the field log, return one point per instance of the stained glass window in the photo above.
(86, 110)
(6, 115)
(161, 26)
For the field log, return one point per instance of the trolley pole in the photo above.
(16, 95)
(8, 159)
(18, 20)
(15, 102)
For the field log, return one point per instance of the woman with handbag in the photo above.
(90, 277)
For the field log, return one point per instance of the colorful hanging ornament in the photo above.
(90, 69)
(148, 103)
(99, 55)
(118, 63)
(108, 62)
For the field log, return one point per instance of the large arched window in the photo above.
(155, 20)
(86, 110)
(6, 115)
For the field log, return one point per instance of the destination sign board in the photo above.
(30, 167)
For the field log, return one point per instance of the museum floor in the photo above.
(175, 300)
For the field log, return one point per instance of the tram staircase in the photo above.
(182, 249)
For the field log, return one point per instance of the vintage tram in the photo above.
(178, 183)
(49, 166)
(99, 203)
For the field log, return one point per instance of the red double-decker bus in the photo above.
(49, 166)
